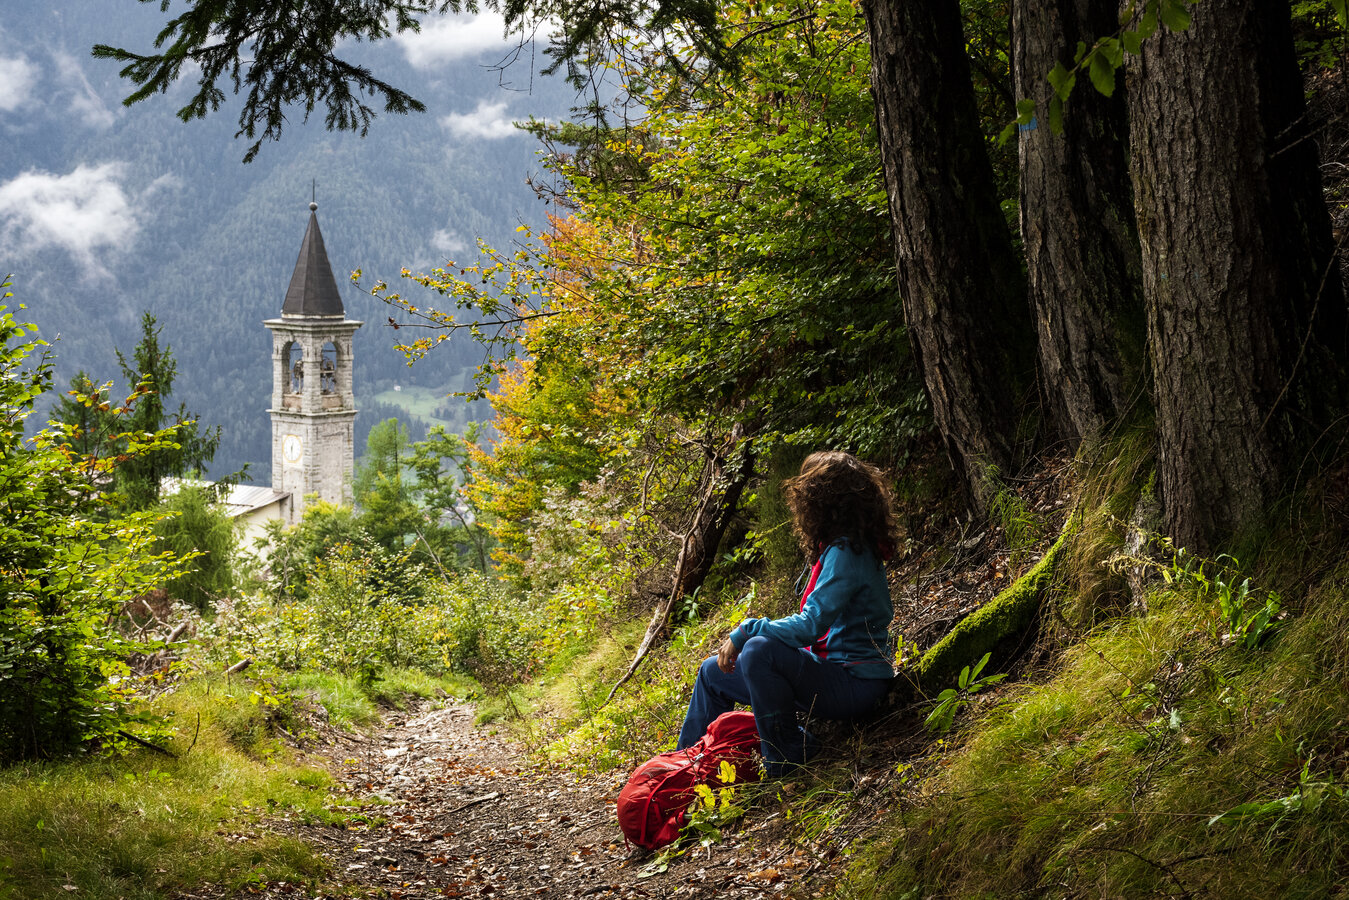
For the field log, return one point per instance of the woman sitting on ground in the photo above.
(832, 659)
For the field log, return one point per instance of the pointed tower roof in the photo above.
(313, 289)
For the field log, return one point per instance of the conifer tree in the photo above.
(138, 479)
(199, 530)
(382, 489)
(85, 409)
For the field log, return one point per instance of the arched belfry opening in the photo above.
(328, 369)
(313, 406)
(292, 373)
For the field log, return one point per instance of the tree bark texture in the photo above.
(1077, 225)
(963, 291)
(1245, 316)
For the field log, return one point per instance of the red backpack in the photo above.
(653, 804)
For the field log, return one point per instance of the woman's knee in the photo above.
(708, 670)
(761, 654)
(713, 682)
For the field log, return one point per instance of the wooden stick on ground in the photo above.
(146, 744)
(483, 799)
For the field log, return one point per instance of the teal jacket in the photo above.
(849, 607)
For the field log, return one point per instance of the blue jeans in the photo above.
(777, 680)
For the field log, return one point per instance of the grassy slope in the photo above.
(145, 826)
(1104, 779)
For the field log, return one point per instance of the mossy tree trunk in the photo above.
(963, 290)
(1077, 225)
(1245, 313)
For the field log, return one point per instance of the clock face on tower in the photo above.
(291, 448)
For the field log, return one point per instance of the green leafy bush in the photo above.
(355, 618)
(292, 553)
(64, 573)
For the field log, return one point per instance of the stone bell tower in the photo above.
(313, 408)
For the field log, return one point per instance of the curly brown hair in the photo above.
(839, 496)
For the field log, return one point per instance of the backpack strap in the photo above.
(821, 647)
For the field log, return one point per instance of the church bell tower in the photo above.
(313, 408)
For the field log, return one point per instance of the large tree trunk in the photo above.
(1077, 226)
(963, 290)
(1245, 314)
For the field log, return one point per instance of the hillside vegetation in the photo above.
(110, 212)
(1120, 632)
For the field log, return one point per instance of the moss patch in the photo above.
(989, 629)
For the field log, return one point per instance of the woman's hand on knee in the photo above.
(726, 656)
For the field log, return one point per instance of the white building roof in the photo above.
(239, 500)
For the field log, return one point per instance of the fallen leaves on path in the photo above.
(445, 809)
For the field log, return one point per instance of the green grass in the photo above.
(423, 402)
(419, 400)
(147, 826)
(1022, 529)
(1105, 779)
(348, 704)
(396, 687)
(569, 691)
(351, 704)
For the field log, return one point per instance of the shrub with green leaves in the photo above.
(487, 631)
(292, 553)
(194, 527)
(65, 572)
(355, 617)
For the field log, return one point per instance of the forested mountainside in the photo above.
(1100, 366)
(108, 211)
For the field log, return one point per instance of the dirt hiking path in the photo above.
(456, 811)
